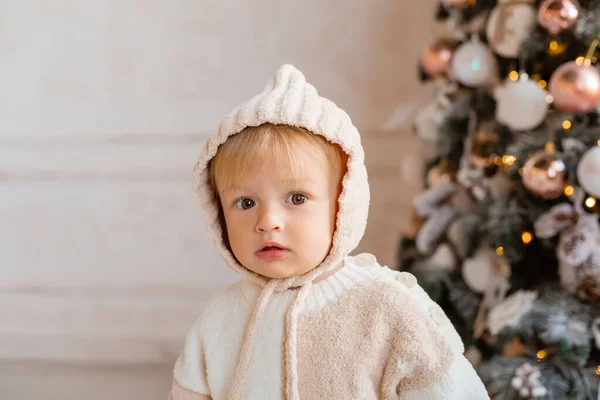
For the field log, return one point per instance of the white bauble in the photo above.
(443, 258)
(521, 104)
(474, 64)
(478, 271)
(588, 171)
(510, 23)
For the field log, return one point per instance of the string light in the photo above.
(526, 237)
(542, 354)
(598, 142)
(508, 159)
(521, 170)
(590, 202)
(598, 370)
(569, 190)
(500, 251)
(514, 76)
(555, 48)
(566, 124)
(549, 98)
(543, 84)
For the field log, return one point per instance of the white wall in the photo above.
(103, 109)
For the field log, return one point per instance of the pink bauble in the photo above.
(575, 88)
(436, 57)
(544, 175)
(557, 16)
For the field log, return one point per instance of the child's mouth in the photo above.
(272, 253)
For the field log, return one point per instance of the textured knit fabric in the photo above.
(364, 332)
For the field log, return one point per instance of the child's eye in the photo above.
(244, 203)
(296, 199)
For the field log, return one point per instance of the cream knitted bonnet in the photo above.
(289, 99)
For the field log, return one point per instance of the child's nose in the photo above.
(269, 221)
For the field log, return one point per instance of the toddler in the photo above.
(283, 188)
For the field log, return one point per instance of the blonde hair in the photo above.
(266, 146)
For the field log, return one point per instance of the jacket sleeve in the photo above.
(427, 360)
(189, 374)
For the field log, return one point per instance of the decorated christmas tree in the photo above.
(506, 235)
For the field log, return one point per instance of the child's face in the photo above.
(298, 217)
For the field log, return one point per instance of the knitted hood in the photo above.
(288, 99)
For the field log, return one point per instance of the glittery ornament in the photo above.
(474, 64)
(588, 171)
(544, 174)
(557, 16)
(436, 57)
(575, 88)
(510, 23)
(521, 104)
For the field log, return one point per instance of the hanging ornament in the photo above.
(544, 173)
(474, 64)
(575, 87)
(483, 269)
(509, 24)
(588, 171)
(484, 143)
(521, 104)
(435, 58)
(557, 16)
